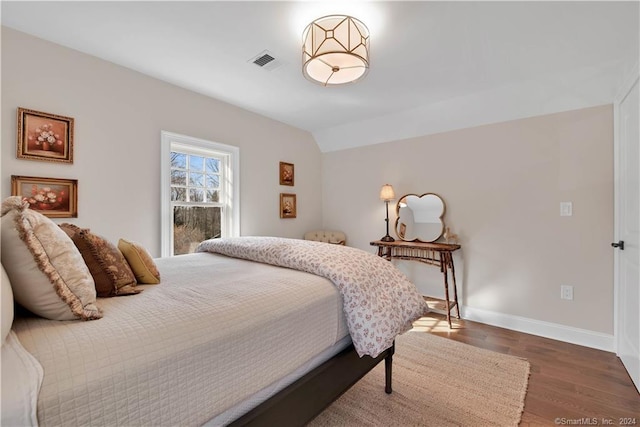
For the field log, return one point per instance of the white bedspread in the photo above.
(215, 330)
(379, 301)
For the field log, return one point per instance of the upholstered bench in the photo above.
(334, 237)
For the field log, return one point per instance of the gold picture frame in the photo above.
(287, 174)
(288, 205)
(52, 197)
(44, 136)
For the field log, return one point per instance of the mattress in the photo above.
(215, 332)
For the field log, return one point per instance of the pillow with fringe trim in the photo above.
(107, 265)
(47, 273)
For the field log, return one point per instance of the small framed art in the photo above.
(287, 174)
(44, 136)
(52, 197)
(288, 207)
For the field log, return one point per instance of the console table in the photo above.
(437, 254)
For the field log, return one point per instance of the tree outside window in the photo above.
(195, 188)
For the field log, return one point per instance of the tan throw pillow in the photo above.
(47, 273)
(140, 262)
(110, 271)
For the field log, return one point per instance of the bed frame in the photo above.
(304, 399)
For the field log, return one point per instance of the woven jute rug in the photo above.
(436, 382)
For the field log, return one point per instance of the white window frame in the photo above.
(229, 183)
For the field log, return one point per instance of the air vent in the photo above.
(266, 60)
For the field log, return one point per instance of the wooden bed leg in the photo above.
(388, 362)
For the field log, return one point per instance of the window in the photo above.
(200, 192)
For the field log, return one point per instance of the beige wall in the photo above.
(119, 114)
(502, 185)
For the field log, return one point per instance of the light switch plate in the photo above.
(566, 209)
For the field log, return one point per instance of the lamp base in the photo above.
(387, 238)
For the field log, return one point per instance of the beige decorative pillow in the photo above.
(140, 262)
(47, 273)
(110, 270)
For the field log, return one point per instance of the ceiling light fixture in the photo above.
(335, 50)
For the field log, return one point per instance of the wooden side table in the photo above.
(436, 254)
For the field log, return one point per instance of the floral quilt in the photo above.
(379, 301)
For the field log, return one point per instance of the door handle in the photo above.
(620, 245)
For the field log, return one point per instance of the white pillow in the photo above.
(22, 377)
(48, 275)
(6, 299)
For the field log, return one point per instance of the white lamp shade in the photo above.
(386, 193)
(335, 50)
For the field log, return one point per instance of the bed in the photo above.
(233, 335)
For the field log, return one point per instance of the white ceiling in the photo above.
(435, 66)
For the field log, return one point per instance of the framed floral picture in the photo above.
(52, 197)
(286, 174)
(288, 208)
(44, 136)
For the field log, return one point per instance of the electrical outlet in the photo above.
(566, 292)
(566, 209)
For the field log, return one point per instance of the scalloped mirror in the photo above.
(419, 218)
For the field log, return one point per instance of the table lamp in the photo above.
(386, 195)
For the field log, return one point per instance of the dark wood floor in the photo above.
(568, 383)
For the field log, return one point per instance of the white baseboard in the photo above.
(598, 340)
